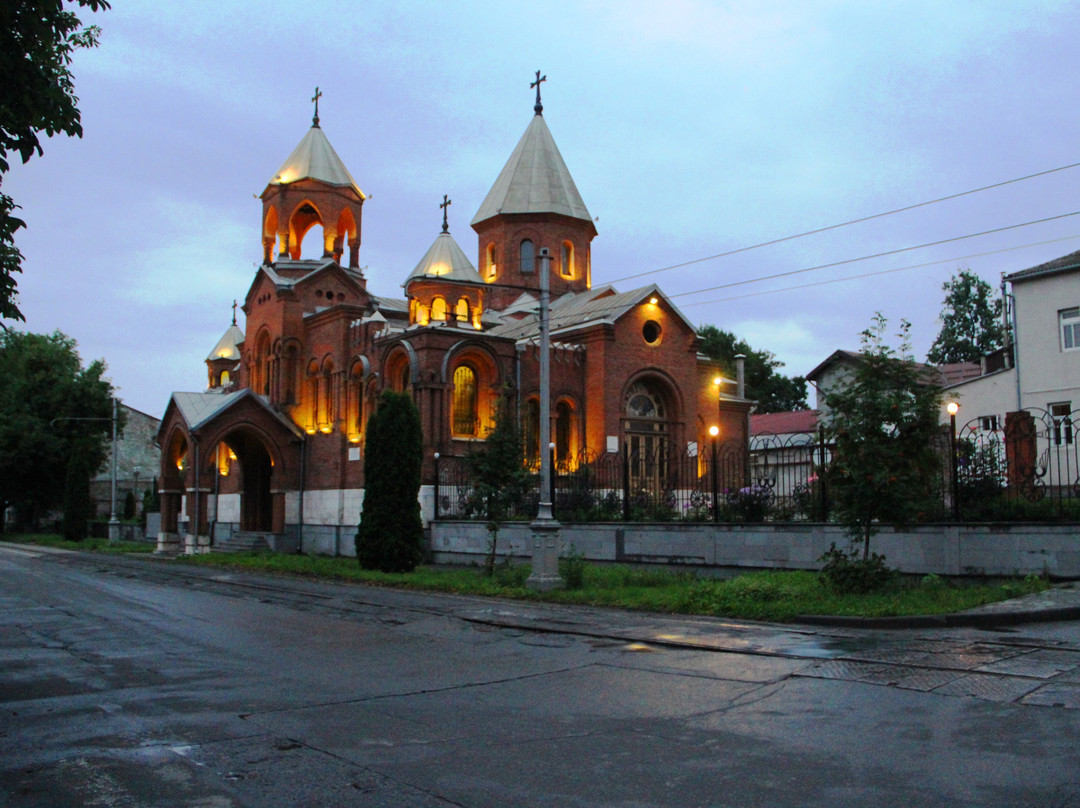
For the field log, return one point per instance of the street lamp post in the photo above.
(952, 407)
(545, 529)
(714, 433)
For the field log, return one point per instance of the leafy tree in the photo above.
(38, 39)
(772, 391)
(78, 506)
(970, 321)
(43, 389)
(391, 533)
(883, 421)
(497, 470)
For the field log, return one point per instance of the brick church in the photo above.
(272, 451)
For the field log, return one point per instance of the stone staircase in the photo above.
(243, 541)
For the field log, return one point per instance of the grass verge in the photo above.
(776, 596)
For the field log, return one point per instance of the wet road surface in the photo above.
(130, 682)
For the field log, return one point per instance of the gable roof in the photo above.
(1063, 264)
(574, 310)
(315, 159)
(534, 180)
(447, 261)
(198, 409)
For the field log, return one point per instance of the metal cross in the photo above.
(234, 312)
(445, 204)
(538, 108)
(315, 98)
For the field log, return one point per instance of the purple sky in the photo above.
(691, 129)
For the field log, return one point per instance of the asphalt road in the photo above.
(129, 683)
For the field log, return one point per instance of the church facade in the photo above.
(272, 452)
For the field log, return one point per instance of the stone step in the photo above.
(242, 541)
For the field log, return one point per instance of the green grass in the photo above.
(89, 545)
(777, 596)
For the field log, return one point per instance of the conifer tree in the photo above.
(390, 536)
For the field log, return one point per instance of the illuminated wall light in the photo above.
(654, 300)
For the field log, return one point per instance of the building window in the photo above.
(530, 431)
(1061, 416)
(1070, 328)
(651, 332)
(527, 257)
(462, 310)
(464, 415)
(988, 423)
(567, 259)
(492, 266)
(438, 309)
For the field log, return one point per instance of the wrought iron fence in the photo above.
(728, 482)
(1025, 468)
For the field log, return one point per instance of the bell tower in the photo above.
(313, 187)
(534, 203)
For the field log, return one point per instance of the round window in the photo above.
(651, 332)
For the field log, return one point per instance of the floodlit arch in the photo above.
(305, 216)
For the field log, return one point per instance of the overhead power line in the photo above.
(847, 223)
(875, 255)
(957, 259)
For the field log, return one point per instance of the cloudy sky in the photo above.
(692, 129)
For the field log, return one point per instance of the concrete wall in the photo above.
(999, 549)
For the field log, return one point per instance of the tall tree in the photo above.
(45, 398)
(37, 41)
(499, 477)
(772, 391)
(970, 321)
(883, 421)
(391, 533)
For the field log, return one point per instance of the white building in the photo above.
(1042, 374)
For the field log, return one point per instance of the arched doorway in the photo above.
(647, 428)
(256, 470)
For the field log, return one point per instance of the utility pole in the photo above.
(545, 529)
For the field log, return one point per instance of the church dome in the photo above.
(445, 261)
(315, 159)
(226, 347)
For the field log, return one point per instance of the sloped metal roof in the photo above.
(226, 346)
(576, 310)
(315, 159)
(447, 261)
(534, 180)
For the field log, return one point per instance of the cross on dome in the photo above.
(446, 203)
(315, 98)
(538, 108)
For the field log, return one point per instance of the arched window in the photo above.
(564, 415)
(224, 380)
(463, 310)
(527, 257)
(354, 403)
(464, 415)
(530, 431)
(492, 267)
(438, 309)
(646, 428)
(567, 259)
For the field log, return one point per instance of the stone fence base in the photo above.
(994, 549)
